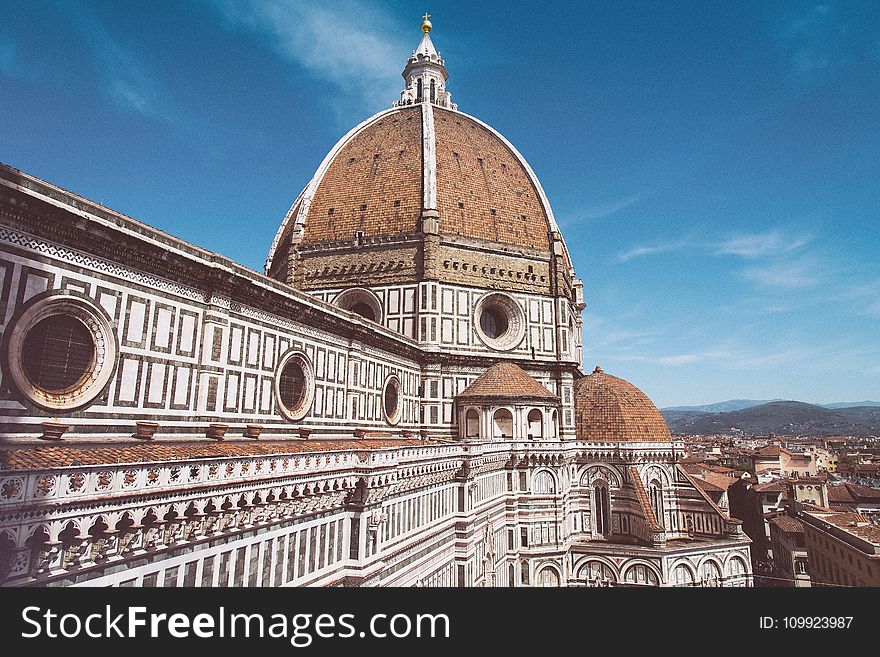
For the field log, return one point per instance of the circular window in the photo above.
(361, 302)
(58, 353)
(494, 322)
(294, 385)
(61, 351)
(500, 321)
(391, 400)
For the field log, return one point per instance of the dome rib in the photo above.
(611, 409)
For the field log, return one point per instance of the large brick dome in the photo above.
(423, 192)
(380, 177)
(611, 409)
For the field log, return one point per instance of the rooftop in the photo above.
(35, 458)
(506, 380)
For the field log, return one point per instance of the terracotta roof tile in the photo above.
(505, 380)
(642, 494)
(788, 524)
(148, 452)
(718, 481)
(608, 408)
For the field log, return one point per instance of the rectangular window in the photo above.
(353, 550)
(208, 572)
(267, 562)
(302, 554)
(313, 545)
(322, 547)
(524, 536)
(238, 579)
(339, 536)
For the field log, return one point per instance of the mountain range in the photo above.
(740, 404)
(786, 418)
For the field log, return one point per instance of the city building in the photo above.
(774, 461)
(790, 556)
(398, 401)
(844, 548)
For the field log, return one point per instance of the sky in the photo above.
(714, 166)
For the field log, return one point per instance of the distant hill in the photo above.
(851, 404)
(723, 407)
(785, 418)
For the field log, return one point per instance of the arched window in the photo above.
(602, 509)
(524, 572)
(710, 574)
(511, 575)
(419, 90)
(682, 576)
(548, 577)
(641, 574)
(536, 424)
(544, 483)
(554, 424)
(433, 91)
(502, 425)
(655, 495)
(736, 567)
(596, 573)
(472, 424)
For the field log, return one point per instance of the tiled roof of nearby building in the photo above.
(848, 494)
(714, 480)
(840, 494)
(769, 487)
(788, 524)
(505, 380)
(34, 458)
(853, 523)
(608, 408)
(768, 451)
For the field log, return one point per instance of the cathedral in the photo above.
(398, 400)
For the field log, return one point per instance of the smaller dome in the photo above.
(608, 408)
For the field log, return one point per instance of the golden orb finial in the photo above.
(426, 24)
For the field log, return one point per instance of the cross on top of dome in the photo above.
(425, 74)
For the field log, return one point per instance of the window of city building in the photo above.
(294, 385)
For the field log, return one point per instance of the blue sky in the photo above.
(715, 167)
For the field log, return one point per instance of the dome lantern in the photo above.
(425, 74)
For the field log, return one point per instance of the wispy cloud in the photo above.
(866, 296)
(747, 245)
(602, 210)
(124, 76)
(758, 245)
(798, 274)
(652, 249)
(823, 38)
(352, 44)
